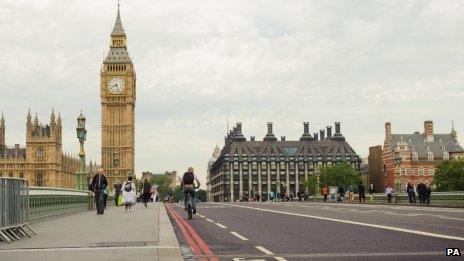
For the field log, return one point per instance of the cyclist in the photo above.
(188, 186)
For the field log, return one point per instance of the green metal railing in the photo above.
(446, 199)
(48, 202)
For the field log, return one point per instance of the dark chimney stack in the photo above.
(316, 136)
(306, 136)
(321, 132)
(306, 128)
(238, 136)
(329, 132)
(270, 136)
(338, 135)
(282, 138)
(337, 128)
(252, 138)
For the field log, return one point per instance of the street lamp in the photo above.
(81, 135)
(397, 163)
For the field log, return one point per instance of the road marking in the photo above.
(210, 220)
(397, 229)
(220, 225)
(268, 252)
(238, 235)
(264, 250)
(200, 215)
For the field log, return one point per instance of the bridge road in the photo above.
(315, 231)
(143, 234)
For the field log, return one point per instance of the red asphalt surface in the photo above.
(195, 242)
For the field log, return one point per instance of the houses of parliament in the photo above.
(42, 161)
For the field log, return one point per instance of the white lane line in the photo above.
(220, 225)
(200, 215)
(397, 229)
(210, 220)
(238, 235)
(268, 252)
(264, 250)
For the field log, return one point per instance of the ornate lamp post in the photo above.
(81, 135)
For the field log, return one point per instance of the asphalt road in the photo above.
(315, 231)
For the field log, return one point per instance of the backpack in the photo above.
(188, 178)
(128, 186)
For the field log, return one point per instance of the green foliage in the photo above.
(450, 176)
(201, 195)
(334, 175)
(178, 194)
(163, 183)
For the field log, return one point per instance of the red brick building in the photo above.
(413, 157)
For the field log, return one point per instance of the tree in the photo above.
(163, 183)
(201, 195)
(334, 175)
(450, 176)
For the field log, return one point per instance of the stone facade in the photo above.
(42, 161)
(117, 92)
(255, 168)
(214, 157)
(417, 155)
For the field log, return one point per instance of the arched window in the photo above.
(445, 155)
(429, 156)
(415, 156)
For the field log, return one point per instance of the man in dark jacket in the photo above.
(361, 193)
(422, 191)
(99, 184)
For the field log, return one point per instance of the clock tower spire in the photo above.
(117, 93)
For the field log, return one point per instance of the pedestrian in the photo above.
(341, 193)
(361, 193)
(117, 192)
(428, 192)
(411, 194)
(325, 192)
(371, 193)
(422, 191)
(154, 193)
(99, 183)
(146, 192)
(350, 193)
(128, 194)
(389, 192)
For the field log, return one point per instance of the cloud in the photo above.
(201, 64)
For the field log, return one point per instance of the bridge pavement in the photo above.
(144, 234)
(331, 231)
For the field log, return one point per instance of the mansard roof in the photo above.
(417, 143)
(325, 147)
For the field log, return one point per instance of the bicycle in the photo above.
(190, 205)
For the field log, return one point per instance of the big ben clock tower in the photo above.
(117, 92)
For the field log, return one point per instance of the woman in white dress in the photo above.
(128, 194)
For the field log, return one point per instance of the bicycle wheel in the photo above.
(189, 211)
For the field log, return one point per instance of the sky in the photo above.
(203, 64)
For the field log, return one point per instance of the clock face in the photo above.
(116, 85)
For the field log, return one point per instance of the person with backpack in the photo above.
(188, 187)
(128, 194)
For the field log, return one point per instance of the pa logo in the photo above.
(453, 252)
